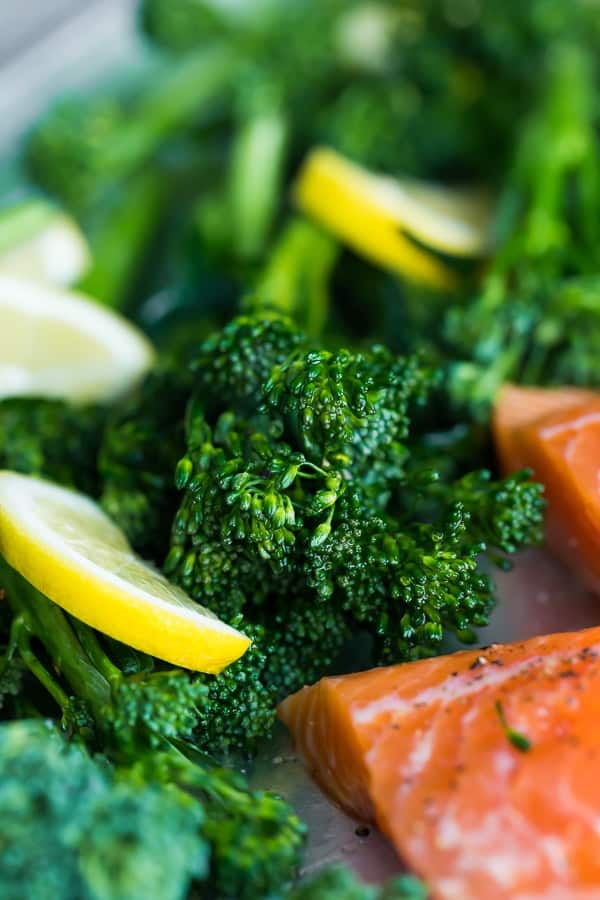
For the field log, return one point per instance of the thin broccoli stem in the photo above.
(258, 160)
(295, 282)
(93, 648)
(178, 96)
(21, 634)
(120, 237)
(50, 625)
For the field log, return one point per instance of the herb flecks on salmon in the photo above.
(419, 750)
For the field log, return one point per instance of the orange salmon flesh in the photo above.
(482, 767)
(556, 433)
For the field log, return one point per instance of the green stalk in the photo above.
(121, 236)
(178, 94)
(256, 177)
(21, 634)
(556, 163)
(93, 648)
(295, 282)
(50, 626)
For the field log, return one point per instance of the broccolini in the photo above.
(535, 320)
(74, 827)
(306, 512)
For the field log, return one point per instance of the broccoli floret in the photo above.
(142, 720)
(240, 708)
(66, 148)
(255, 837)
(42, 436)
(339, 883)
(293, 647)
(310, 509)
(304, 642)
(71, 829)
(239, 358)
(535, 320)
(121, 705)
(83, 146)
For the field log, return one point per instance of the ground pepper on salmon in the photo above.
(420, 750)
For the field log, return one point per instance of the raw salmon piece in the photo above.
(517, 407)
(435, 754)
(558, 437)
(563, 449)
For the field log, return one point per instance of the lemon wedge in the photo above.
(61, 344)
(67, 548)
(379, 216)
(41, 242)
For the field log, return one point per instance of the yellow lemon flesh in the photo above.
(377, 216)
(67, 548)
(57, 343)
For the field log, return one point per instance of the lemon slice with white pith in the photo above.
(41, 242)
(57, 343)
(395, 222)
(67, 548)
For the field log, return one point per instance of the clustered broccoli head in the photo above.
(310, 503)
(310, 508)
(543, 333)
(240, 357)
(152, 709)
(72, 828)
(254, 837)
(69, 148)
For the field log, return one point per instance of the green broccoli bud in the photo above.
(52, 438)
(71, 828)
(82, 147)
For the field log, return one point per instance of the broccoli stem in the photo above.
(121, 235)
(49, 624)
(258, 158)
(21, 635)
(541, 180)
(295, 282)
(93, 648)
(176, 97)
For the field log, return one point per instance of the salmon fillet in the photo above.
(518, 407)
(556, 433)
(482, 767)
